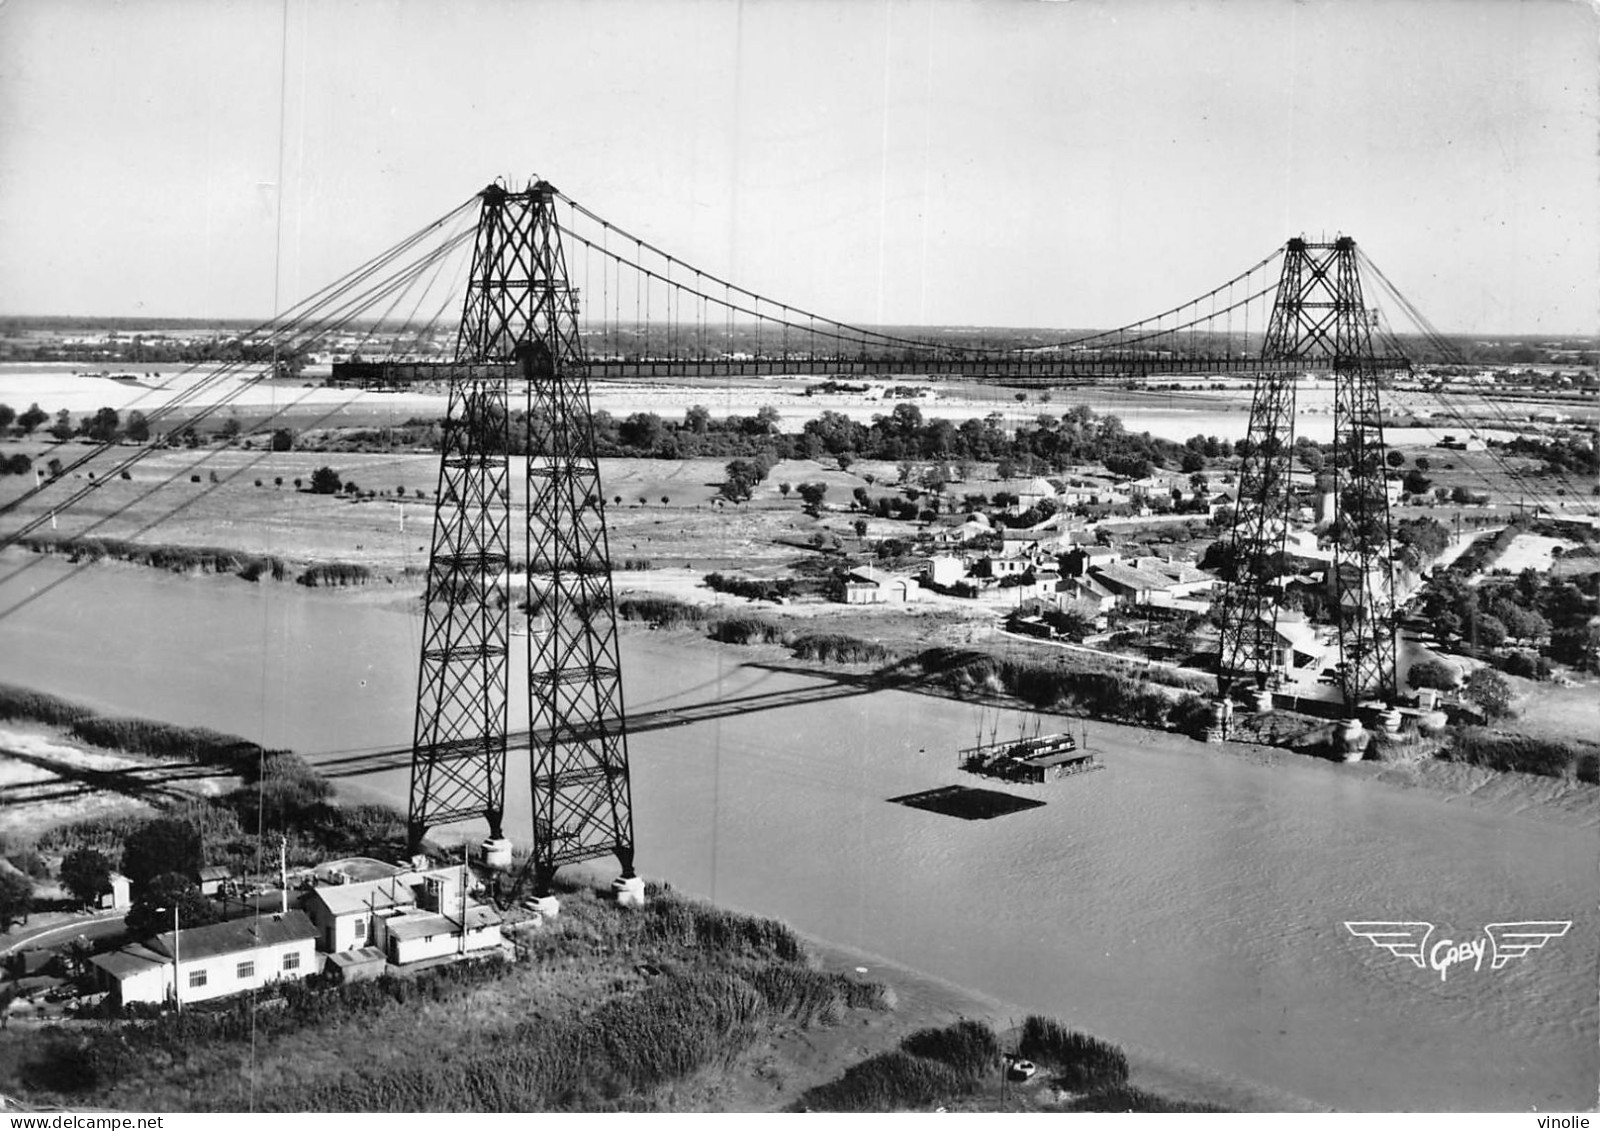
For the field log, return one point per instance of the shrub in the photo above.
(1516, 752)
(1125, 1098)
(37, 706)
(837, 648)
(1432, 673)
(755, 589)
(335, 574)
(1082, 1063)
(746, 630)
(255, 567)
(969, 1047)
(664, 612)
(891, 1081)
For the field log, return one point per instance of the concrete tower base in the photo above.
(629, 891)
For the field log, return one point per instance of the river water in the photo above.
(1183, 900)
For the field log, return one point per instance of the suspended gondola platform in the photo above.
(1033, 760)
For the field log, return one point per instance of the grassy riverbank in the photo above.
(680, 1006)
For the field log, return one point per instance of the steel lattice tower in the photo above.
(1318, 320)
(519, 325)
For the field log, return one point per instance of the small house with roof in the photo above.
(212, 878)
(868, 585)
(201, 963)
(407, 917)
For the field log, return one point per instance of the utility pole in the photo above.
(177, 961)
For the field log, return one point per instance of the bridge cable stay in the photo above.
(330, 413)
(1452, 355)
(323, 324)
(308, 312)
(143, 452)
(97, 454)
(1453, 409)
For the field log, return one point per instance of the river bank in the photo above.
(785, 1063)
(1219, 941)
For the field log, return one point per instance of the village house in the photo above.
(1085, 594)
(1156, 582)
(944, 570)
(868, 585)
(975, 526)
(407, 916)
(1299, 651)
(211, 879)
(198, 964)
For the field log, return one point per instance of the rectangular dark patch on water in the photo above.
(967, 803)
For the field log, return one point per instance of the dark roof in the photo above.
(132, 959)
(238, 935)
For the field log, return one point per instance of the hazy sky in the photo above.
(1000, 162)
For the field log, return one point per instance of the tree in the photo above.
(1422, 463)
(743, 475)
(16, 899)
(138, 427)
(86, 874)
(8, 416)
(230, 429)
(1487, 631)
(282, 440)
(103, 426)
(152, 908)
(1128, 466)
(31, 419)
(62, 429)
(326, 481)
(1432, 673)
(812, 493)
(160, 845)
(1395, 459)
(1489, 690)
(861, 527)
(1416, 483)
(697, 419)
(1193, 461)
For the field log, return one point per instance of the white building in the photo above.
(869, 586)
(946, 569)
(213, 961)
(408, 916)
